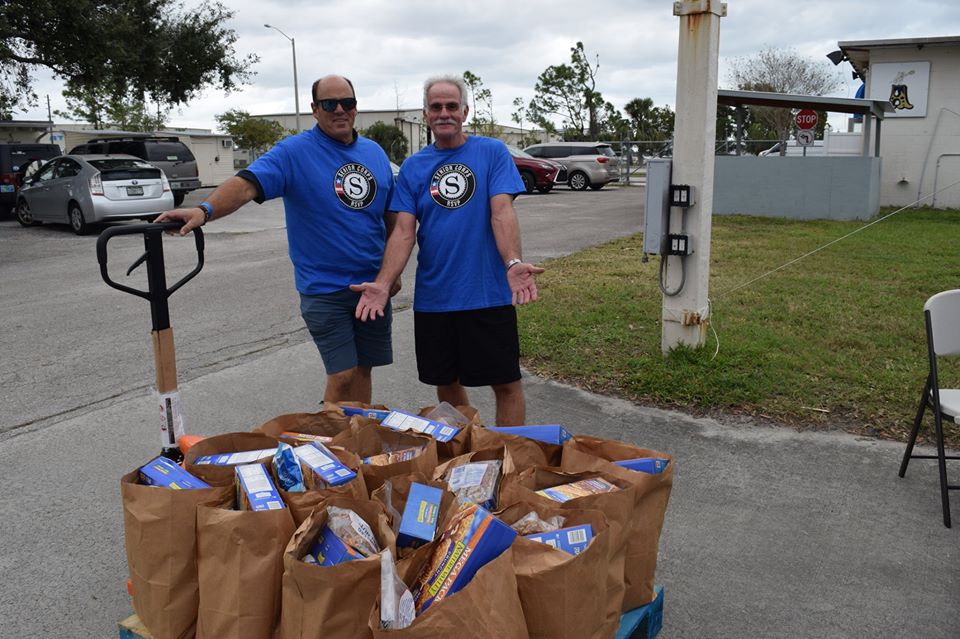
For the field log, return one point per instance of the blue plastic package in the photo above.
(289, 473)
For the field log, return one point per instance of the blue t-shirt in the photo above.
(334, 196)
(449, 190)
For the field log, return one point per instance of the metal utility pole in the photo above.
(296, 89)
(686, 309)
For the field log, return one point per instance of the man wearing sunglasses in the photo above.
(335, 186)
(470, 274)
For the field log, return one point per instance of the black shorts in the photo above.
(477, 348)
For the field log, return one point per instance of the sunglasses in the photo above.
(330, 104)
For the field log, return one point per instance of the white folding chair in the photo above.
(942, 313)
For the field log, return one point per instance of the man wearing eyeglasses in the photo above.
(335, 186)
(470, 273)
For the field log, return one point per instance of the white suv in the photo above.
(588, 164)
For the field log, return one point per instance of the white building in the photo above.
(920, 140)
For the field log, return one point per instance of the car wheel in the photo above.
(24, 216)
(529, 182)
(546, 188)
(596, 187)
(178, 197)
(578, 181)
(77, 222)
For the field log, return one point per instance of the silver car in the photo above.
(85, 190)
(588, 164)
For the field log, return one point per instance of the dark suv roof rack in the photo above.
(137, 138)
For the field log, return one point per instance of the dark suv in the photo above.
(168, 154)
(15, 161)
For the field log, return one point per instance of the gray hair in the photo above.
(455, 80)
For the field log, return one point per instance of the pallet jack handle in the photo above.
(157, 293)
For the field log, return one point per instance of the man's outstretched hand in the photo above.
(373, 299)
(522, 285)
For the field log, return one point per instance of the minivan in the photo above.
(588, 164)
(15, 161)
(168, 154)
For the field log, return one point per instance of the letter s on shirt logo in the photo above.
(452, 185)
(355, 185)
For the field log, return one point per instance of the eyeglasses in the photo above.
(330, 104)
(438, 107)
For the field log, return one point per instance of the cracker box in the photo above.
(321, 468)
(418, 525)
(549, 433)
(473, 538)
(369, 413)
(566, 492)
(235, 459)
(394, 456)
(295, 439)
(255, 489)
(163, 472)
(573, 540)
(649, 465)
(404, 421)
(330, 550)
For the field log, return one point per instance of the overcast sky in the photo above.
(389, 48)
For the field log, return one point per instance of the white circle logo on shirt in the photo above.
(355, 186)
(452, 185)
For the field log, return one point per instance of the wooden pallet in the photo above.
(640, 623)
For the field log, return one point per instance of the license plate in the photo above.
(134, 190)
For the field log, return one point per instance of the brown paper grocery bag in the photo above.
(526, 452)
(373, 439)
(499, 453)
(400, 491)
(565, 596)
(226, 443)
(584, 453)
(332, 601)
(301, 504)
(160, 535)
(240, 566)
(328, 423)
(486, 608)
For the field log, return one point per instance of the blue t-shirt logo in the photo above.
(355, 185)
(452, 185)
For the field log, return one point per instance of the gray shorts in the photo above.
(345, 342)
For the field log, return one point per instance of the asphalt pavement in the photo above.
(769, 532)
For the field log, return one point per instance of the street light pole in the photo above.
(296, 90)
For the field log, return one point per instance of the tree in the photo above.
(484, 121)
(250, 134)
(104, 110)
(569, 91)
(128, 48)
(650, 122)
(781, 71)
(390, 138)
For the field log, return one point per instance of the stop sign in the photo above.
(806, 119)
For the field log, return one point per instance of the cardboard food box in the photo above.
(296, 439)
(548, 433)
(649, 465)
(321, 468)
(330, 550)
(404, 421)
(566, 492)
(393, 457)
(163, 472)
(369, 413)
(418, 525)
(573, 540)
(473, 538)
(255, 489)
(235, 459)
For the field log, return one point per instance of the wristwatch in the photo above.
(207, 211)
(510, 264)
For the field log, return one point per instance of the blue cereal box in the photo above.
(473, 538)
(369, 413)
(573, 540)
(235, 459)
(330, 550)
(255, 489)
(397, 420)
(321, 468)
(548, 433)
(649, 465)
(418, 525)
(582, 488)
(163, 472)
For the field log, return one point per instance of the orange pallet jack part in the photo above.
(130, 587)
(186, 441)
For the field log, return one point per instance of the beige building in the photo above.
(920, 140)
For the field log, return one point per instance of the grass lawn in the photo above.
(835, 340)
